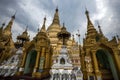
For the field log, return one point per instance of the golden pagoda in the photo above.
(53, 29)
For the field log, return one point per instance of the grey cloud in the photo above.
(21, 16)
(71, 12)
(114, 9)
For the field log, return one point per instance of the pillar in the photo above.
(47, 62)
(88, 63)
(23, 61)
(95, 61)
(37, 60)
(97, 72)
(117, 60)
(82, 59)
(42, 58)
(43, 52)
(22, 64)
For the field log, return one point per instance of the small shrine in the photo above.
(62, 66)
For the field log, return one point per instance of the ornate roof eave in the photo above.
(91, 31)
(21, 37)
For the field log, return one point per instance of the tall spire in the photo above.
(7, 30)
(90, 27)
(56, 17)
(26, 28)
(43, 26)
(87, 15)
(100, 31)
(118, 39)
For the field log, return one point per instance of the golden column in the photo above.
(37, 60)
(88, 64)
(24, 59)
(22, 64)
(50, 60)
(42, 58)
(47, 62)
(117, 60)
(95, 61)
(42, 62)
(97, 72)
(43, 52)
(82, 58)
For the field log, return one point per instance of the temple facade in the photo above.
(98, 58)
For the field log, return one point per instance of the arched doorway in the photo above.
(30, 62)
(62, 61)
(106, 65)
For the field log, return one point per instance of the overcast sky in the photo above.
(71, 12)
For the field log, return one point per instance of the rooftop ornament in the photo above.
(63, 35)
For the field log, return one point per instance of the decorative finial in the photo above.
(100, 31)
(85, 34)
(98, 24)
(38, 29)
(43, 26)
(14, 15)
(26, 28)
(78, 34)
(86, 12)
(57, 9)
(3, 24)
(73, 36)
(117, 36)
(44, 19)
(63, 24)
(56, 18)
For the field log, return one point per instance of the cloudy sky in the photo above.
(71, 12)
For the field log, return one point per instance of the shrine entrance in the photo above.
(30, 62)
(106, 65)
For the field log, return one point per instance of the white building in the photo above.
(10, 67)
(62, 68)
